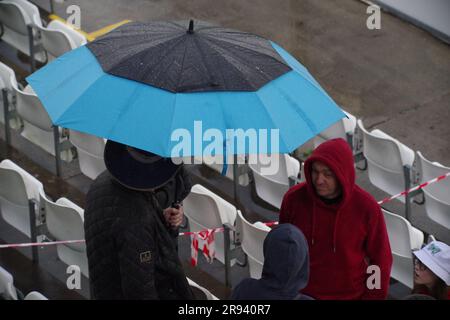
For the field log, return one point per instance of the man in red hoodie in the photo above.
(344, 227)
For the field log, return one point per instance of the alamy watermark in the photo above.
(74, 15)
(74, 278)
(209, 146)
(373, 22)
(374, 280)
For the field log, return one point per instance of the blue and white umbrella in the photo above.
(139, 83)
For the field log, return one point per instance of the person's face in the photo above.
(325, 181)
(423, 275)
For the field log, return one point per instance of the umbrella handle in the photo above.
(191, 27)
(176, 205)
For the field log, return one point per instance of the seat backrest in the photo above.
(56, 42)
(276, 167)
(381, 152)
(7, 289)
(90, 153)
(206, 210)
(64, 221)
(8, 77)
(31, 11)
(203, 209)
(30, 109)
(399, 232)
(430, 170)
(16, 187)
(76, 38)
(59, 38)
(12, 188)
(349, 122)
(251, 237)
(32, 185)
(337, 130)
(90, 144)
(14, 17)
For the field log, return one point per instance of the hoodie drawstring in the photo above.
(313, 227)
(335, 231)
(312, 223)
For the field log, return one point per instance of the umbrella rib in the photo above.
(130, 56)
(124, 108)
(225, 122)
(312, 127)
(242, 60)
(171, 123)
(164, 56)
(316, 84)
(182, 67)
(234, 40)
(204, 60)
(168, 65)
(220, 69)
(113, 38)
(273, 122)
(232, 64)
(299, 111)
(64, 83)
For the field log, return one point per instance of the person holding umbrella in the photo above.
(142, 82)
(131, 225)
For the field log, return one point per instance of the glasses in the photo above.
(419, 263)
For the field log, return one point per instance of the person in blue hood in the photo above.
(285, 270)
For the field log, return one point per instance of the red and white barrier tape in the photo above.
(203, 240)
(190, 233)
(420, 186)
(39, 244)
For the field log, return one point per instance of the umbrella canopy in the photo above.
(207, 58)
(141, 82)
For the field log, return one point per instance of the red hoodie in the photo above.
(342, 237)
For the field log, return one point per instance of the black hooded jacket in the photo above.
(285, 271)
(131, 252)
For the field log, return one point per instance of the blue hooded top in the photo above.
(285, 271)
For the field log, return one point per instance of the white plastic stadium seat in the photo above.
(208, 294)
(206, 210)
(59, 38)
(344, 128)
(389, 161)
(17, 187)
(90, 153)
(251, 237)
(15, 18)
(437, 195)
(7, 289)
(7, 81)
(37, 126)
(65, 222)
(403, 239)
(271, 185)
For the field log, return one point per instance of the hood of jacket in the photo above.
(286, 261)
(338, 156)
(285, 271)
